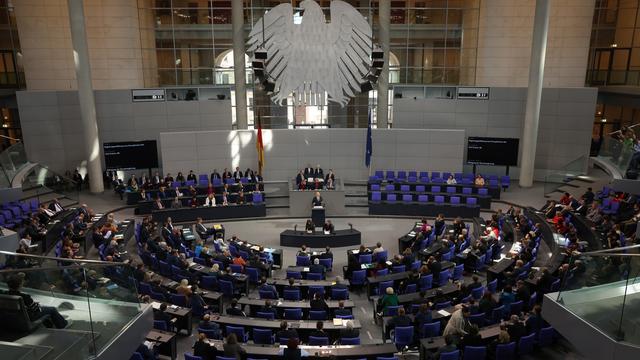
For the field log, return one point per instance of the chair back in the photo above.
(475, 353)
(317, 315)
(350, 341)
(266, 315)
(303, 260)
(453, 355)
(525, 345)
(318, 340)
(292, 294)
(293, 314)
(339, 294)
(430, 330)
(506, 351)
(403, 335)
(187, 356)
(160, 325)
(263, 336)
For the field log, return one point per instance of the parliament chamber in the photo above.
(331, 179)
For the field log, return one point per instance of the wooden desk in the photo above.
(428, 345)
(303, 327)
(280, 304)
(183, 316)
(370, 351)
(165, 342)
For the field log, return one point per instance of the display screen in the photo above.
(131, 155)
(492, 151)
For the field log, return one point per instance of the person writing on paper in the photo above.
(317, 200)
(210, 201)
(309, 227)
(328, 227)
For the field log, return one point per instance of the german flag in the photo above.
(260, 147)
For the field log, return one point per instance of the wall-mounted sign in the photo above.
(474, 93)
(146, 95)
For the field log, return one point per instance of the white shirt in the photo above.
(210, 201)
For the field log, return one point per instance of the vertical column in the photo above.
(237, 19)
(383, 80)
(534, 93)
(85, 95)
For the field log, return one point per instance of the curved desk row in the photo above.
(339, 238)
(494, 191)
(423, 209)
(134, 196)
(210, 213)
(146, 207)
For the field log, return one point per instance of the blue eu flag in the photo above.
(369, 150)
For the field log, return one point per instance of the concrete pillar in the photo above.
(534, 93)
(383, 80)
(85, 95)
(237, 19)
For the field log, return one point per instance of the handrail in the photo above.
(10, 138)
(79, 261)
(606, 252)
(56, 173)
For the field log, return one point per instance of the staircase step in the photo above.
(11, 350)
(66, 344)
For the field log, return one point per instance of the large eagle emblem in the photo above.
(314, 56)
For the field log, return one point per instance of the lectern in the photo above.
(317, 216)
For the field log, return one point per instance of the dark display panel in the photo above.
(131, 155)
(492, 151)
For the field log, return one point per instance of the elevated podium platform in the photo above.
(300, 200)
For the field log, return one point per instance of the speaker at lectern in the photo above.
(317, 210)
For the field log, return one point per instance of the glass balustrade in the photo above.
(555, 179)
(98, 299)
(603, 288)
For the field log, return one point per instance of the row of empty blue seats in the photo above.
(376, 196)
(433, 189)
(15, 213)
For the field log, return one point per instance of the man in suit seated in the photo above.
(292, 285)
(328, 227)
(327, 254)
(475, 283)
(318, 303)
(349, 332)
(161, 315)
(308, 171)
(268, 308)
(318, 173)
(319, 332)
(269, 288)
(341, 311)
(399, 320)
(285, 332)
(207, 324)
(316, 267)
(34, 309)
(234, 309)
(157, 204)
(215, 175)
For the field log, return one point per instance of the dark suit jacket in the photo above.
(316, 202)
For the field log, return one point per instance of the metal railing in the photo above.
(603, 287)
(99, 298)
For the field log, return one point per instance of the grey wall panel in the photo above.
(287, 151)
(55, 116)
(566, 120)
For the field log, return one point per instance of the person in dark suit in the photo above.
(328, 227)
(318, 173)
(266, 287)
(535, 322)
(341, 311)
(215, 175)
(299, 178)
(268, 308)
(237, 174)
(435, 267)
(523, 293)
(339, 284)
(34, 309)
(472, 338)
(449, 346)
(399, 320)
(234, 310)
(319, 332)
(204, 349)
(161, 315)
(308, 171)
(207, 324)
(317, 200)
(475, 283)
(349, 332)
(191, 176)
(226, 174)
(318, 303)
(316, 267)
(285, 332)
(516, 328)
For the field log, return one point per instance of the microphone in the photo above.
(295, 227)
(351, 227)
